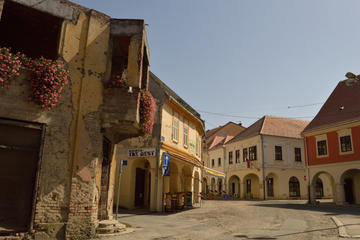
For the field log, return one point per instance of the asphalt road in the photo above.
(239, 220)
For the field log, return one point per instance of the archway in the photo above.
(174, 172)
(319, 188)
(322, 187)
(294, 187)
(213, 184)
(142, 192)
(272, 182)
(205, 187)
(234, 186)
(351, 180)
(186, 177)
(252, 186)
(219, 187)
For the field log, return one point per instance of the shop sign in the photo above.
(141, 152)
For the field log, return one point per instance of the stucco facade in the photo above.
(71, 182)
(142, 184)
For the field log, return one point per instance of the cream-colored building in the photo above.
(213, 155)
(265, 161)
(178, 131)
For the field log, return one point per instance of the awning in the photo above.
(214, 172)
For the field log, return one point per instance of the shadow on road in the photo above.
(329, 209)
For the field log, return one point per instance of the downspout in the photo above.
(263, 164)
(157, 158)
(307, 168)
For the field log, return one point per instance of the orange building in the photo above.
(332, 141)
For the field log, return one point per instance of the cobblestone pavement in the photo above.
(275, 219)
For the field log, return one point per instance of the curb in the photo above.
(342, 229)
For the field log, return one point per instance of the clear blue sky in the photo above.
(248, 58)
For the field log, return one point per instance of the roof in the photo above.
(342, 106)
(222, 134)
(274, 126)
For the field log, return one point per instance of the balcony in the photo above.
(129, 62)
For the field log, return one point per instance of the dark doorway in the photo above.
(105, 176)
(232, 188)
(270, 187)
(149, 190)
(319, 189)
(294, 187)
(19, 160)
(248, 185)
(348, 188)
(139, 187)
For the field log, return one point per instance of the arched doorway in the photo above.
(319, 188)
(234, 186)
(205, 187)
(294, 187)
(174, 172)
(351, 181)
(213, 184)
(186, 177)
(252, 186)
(142, 184)
(220, 189)
(271, 185)
(322, 187)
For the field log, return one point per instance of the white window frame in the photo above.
(343, 133)
(175, 129)
(319, 138)
(186, 135)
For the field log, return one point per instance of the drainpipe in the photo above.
(263, 164)
(157, 158)
(307, 168)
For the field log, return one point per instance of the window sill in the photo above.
(346, 153)
(322, 156)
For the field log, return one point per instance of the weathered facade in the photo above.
(332, 141)
(178, 130)
(56, 164)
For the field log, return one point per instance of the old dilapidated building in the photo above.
(62, 115)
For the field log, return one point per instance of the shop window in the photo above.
(245, 155)
(252, 153)
(29, 31)
(237, 156)
(297, 154)
(345, 143)
(321, 148)
(278, 153)
(231, 157)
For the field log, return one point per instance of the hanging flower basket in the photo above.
(47, 77)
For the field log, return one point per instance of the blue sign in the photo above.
(166, 159)
(165, 170)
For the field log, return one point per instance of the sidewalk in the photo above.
(348, 225)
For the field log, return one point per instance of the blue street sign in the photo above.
(165, 170)
(166, 159)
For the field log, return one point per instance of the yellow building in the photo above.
(56, 158)
(178, 131)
